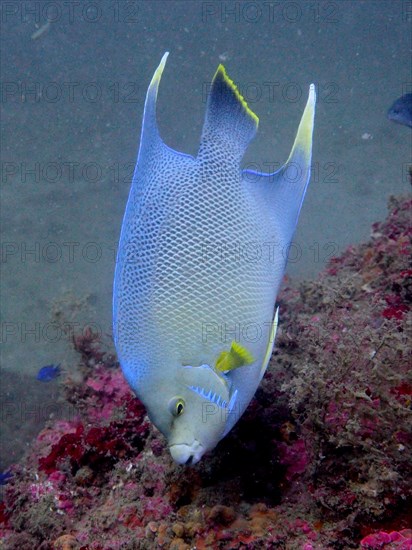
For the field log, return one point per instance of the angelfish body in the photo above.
(201, 256)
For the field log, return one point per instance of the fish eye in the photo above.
(176, 406)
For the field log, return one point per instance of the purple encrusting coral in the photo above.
(320, 460)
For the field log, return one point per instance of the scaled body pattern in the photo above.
(194, 305)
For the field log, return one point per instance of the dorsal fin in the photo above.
(229, 122)
(151, 140)
(150, 132)
(282, 192)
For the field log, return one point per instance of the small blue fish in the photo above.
(401, 110)
(48, 373)
(5, 477)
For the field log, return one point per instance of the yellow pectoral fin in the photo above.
(238, 356)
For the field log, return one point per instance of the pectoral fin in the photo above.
(237, 356)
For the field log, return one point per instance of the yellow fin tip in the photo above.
(221, 70)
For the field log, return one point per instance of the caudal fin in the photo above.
(229, 124)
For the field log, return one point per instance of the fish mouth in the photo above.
(182, 453)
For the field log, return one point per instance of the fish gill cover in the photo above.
(321, 459)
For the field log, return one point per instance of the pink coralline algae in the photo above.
(293, 455)
(390, 541)
(321, 459)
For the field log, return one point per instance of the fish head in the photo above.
(193, 412)
(201, 414)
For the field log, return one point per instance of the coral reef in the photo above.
(321, 459)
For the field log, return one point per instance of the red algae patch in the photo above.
(320, 460)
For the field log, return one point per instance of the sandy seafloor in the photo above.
(72, 102)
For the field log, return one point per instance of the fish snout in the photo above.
(187, 454)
